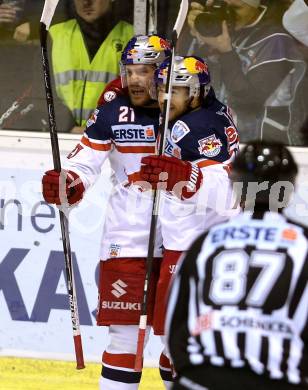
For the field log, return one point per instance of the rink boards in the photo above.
(34, 313)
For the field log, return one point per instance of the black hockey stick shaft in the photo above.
(156, 194)
(63, 218)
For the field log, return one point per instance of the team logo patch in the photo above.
(210, 146)
(149, 133)
(92, 118)
(289, 235)
(109, 96)
(179, 130)
(114, 250)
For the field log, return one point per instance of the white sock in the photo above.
(107, 384)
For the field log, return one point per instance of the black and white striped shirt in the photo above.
(240, 299)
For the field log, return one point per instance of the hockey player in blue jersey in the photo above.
(202, 141)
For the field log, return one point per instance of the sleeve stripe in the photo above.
(136, 149)
(95, 146)
(206, 163)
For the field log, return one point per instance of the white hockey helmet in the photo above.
(144, 49)
(191, 72)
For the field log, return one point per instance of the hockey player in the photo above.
(200, 147)
(238, 307)
(124, 131)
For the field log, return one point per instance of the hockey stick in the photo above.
(48, 12)
(152, 17)
(156, 196)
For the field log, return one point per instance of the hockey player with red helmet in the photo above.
(124, 130)
(201, 142)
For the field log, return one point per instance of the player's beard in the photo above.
(139, 96)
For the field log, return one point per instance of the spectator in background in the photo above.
(295, 21)
(262, 70)
(11, 14)
(22, 98)
(85, 55)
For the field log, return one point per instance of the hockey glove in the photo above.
(54, 192)
(177, 171)
(111, 91)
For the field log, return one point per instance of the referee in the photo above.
(238, 306)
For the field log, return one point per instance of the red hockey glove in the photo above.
(53, 191)
(111, 91)
(177, 170)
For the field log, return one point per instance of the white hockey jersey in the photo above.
(208, 138)
(124, 134)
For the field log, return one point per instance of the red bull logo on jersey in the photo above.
(210, 146)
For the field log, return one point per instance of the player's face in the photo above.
(91, 10)
(139, 82)
(179, 101)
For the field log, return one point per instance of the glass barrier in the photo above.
(85, 43)
(256, 52)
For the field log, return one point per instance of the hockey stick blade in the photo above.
(180, 20)
(48, 12)
(156, 196)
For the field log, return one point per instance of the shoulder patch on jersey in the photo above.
(109, 96)
(93, 118)
(210, 146)
(114, 250)
(179, 130)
